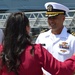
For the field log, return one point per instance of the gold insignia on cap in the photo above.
(49, 8)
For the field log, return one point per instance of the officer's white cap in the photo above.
(55, 9)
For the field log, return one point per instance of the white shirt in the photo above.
(1, 35)
(61, 46)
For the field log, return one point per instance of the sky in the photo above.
(32, 4)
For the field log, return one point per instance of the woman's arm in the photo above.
(54, 66)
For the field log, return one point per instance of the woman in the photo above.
(18, 56)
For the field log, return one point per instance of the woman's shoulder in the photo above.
(38, 49)
(37, 46)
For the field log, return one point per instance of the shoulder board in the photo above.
(44, 30)
(71, 32)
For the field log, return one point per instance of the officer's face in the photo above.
(56, 22)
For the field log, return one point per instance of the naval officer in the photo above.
(58, 41)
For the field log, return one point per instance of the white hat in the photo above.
(54, 9)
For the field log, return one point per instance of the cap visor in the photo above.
(51, 15)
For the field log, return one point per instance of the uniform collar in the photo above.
(63, 33)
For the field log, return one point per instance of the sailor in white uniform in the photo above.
(57, 40)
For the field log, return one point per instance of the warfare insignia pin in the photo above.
(63, 51)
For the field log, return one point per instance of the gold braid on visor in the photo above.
(54, 13)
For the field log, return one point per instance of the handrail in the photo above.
(42, 20)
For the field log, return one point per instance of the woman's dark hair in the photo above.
(16, 38)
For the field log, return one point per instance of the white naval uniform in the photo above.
(52, 44)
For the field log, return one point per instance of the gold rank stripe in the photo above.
(53, 13)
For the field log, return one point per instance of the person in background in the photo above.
(58, 41)
(1, 35)
(18, 56)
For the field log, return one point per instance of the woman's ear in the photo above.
(28, 29)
